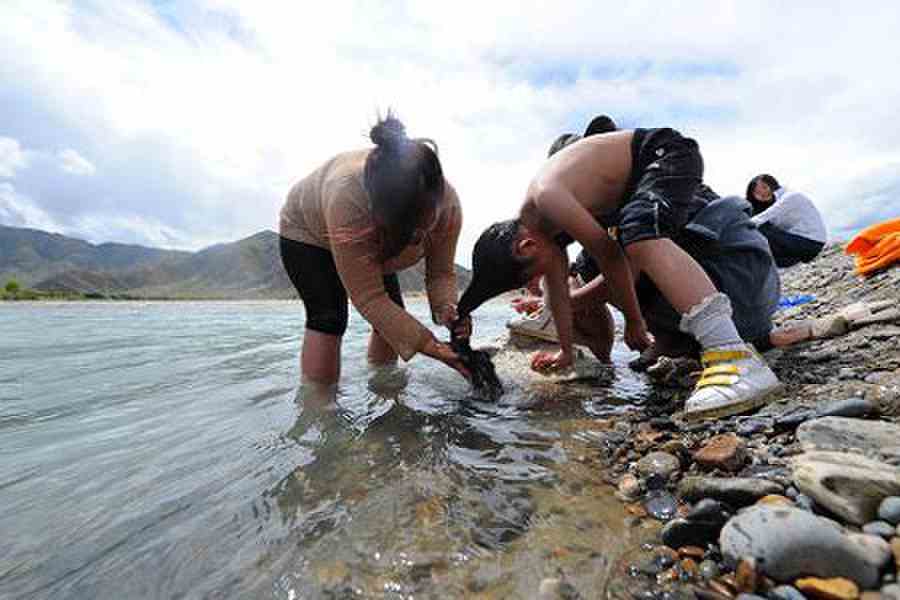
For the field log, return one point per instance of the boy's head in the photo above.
(600, 124)
(506, 257)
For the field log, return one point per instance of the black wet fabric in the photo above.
(312, 271)
(479, 363)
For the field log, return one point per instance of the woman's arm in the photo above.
(356, 258)
(440, 252)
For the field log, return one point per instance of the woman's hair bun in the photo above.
(388, 133)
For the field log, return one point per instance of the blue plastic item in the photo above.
(795, 300)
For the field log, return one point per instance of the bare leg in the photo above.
(380, 352)
(320, 358)
(682, 281)
(791, 333)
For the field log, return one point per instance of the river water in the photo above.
(167, 450)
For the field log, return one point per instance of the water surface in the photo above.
(166, 450)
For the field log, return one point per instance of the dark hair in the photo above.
(770, 181)
(495, 266)
(561, 142)
(600, 124)
(404, 180)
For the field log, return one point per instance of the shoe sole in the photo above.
(731, 410)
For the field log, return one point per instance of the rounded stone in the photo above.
(682, 532)
(629, 487)
(708, 569)
(786, 592)
(727, 452)
(834, 588)
(736, 491)
(709, 511)
(879, 528)
(788, 543)
(658, 463)
(889, 510)
(850, 408)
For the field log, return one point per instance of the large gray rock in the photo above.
(788, 543)
(736, 491)
(849, 485)
(875, 439)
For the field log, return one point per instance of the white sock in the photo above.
(710, 323)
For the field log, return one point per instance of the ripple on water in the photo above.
(160, 450)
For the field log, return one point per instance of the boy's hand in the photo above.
(636, 335)
(461, 328)
(526, 305)
(552, 361)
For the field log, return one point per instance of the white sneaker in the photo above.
(735, 380)
(537, 325)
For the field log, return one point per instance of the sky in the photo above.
(183, 124)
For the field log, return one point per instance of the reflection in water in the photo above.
(162, 451)
(468, 496)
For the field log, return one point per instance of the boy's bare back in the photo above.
(595, 170)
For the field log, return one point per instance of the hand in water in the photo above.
(552, 361)
(461, 328)
(442, 352)
(527, 305)
(636, 335)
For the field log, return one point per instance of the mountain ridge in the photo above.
(249, 268)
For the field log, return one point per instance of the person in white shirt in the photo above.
(789, 220)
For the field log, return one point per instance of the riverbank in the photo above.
(801, 499)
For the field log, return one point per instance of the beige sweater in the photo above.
(330, 208)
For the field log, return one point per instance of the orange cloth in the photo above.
(876, 247)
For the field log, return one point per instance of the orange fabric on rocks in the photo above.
(876, 247)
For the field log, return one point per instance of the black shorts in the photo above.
(664, 191)
(789, 249)
(314, 274)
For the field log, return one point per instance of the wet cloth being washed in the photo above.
(876, 247)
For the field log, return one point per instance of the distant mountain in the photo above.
(246, 269)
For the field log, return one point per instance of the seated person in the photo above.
(788, 219)
(627, 196)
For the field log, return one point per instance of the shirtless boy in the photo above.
(624, 196)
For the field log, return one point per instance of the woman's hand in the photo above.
(552, 361)
(449, 318)
(446, 315)
(527, 304)
(636, 335)
(442, 352)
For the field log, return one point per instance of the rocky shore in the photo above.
(800, 500)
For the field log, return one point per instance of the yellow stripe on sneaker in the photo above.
(714, 356)
(717, 380)
(721, 370)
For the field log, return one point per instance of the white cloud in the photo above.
(72, 162)
(199, 119)
(12, 157)
(19, 211)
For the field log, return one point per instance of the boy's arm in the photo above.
(557, 291)
(560, 207)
